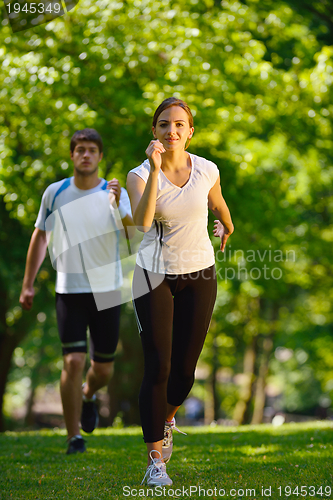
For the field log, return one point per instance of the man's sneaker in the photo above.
(89, 415)
(156, 473)
(76, 445)
(167, 440)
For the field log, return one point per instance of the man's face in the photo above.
(86, 157)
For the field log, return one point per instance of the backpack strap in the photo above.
(64, 185)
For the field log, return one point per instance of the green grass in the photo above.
(33, 465)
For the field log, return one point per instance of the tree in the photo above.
(259, 81)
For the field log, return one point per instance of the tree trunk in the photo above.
(113, 399)
(209, 402)
(8, 342)
(242, 407)
(212, 404)
(29, 418)
(7, 346)
(10, 338)
(260, 396)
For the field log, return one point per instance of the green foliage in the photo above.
(258, 77)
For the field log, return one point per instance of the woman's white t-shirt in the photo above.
(178, 240)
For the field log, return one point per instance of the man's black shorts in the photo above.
(76, 312)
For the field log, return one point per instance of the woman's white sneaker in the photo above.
(167, 440)
(156, 474)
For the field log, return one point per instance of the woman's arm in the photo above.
(143, 199)
(143, 195)
(223, 226)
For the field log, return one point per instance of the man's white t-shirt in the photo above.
(178, 241)
(83, 236)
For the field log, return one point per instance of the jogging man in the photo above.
(79, 221)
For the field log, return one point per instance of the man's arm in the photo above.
(115, 199)
(129, 228)
(35, 256)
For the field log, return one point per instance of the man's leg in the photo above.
(97, 377)
(71, 390)
(104, 333)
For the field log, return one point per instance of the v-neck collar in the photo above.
(189, 179)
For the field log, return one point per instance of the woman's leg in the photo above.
(194, 301)
(171, 412)
(154, 312)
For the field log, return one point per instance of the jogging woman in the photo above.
(174, 284)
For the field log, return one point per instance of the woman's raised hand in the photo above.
(153, 152)
(220, 232)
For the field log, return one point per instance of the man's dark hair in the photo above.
(87, 134)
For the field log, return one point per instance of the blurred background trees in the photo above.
(258, 77)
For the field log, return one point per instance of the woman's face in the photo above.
(173, 128)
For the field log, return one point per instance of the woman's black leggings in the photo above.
(173, 319)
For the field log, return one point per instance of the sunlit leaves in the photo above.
(259, 83)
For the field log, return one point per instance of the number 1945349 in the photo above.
(304, 491)
(34, 8)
